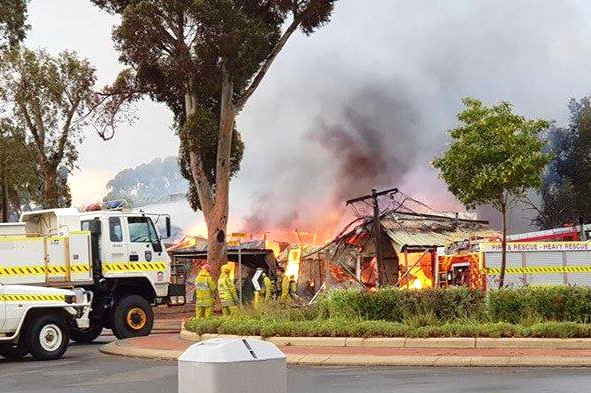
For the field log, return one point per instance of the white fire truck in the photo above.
(117, 255)
(37, 320)
(478, 265)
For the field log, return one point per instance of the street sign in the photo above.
(255, 279)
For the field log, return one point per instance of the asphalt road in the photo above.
(84, 369)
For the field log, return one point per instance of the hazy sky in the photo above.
(399, 68)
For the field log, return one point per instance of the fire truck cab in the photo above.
(117, 255)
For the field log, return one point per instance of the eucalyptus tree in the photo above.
(205, 59)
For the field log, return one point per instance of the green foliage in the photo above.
(396, 305)
(13, 16)
(522, 312)
(557, 303)
(50, 97)
(18, 171)
(367, 329)
(495, 154)
(180, 52)
(282, 312)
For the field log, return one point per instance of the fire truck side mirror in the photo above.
(94, 227)
(168, 227)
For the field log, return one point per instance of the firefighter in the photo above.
(284, 280)
(267, 288)
(293, 287)
(204, 293)
(227, 292)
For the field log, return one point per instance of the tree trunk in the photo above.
(503, 247)
(215, 207)
(50, 194)
(217, 253)
(4, 193)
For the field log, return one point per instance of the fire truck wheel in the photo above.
(132, 317)
(47, 337)
(13, 351)
(85, 336)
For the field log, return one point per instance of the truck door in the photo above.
(144, 244)
(115, 242)
(2, 307)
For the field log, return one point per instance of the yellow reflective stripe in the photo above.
(8, 239)
(134, 267)
(31, 298)
(541, 270)
(79, 232)
(26, 270)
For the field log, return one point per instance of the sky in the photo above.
(365, 101)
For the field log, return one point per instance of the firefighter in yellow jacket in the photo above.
(268, 288)
(227, 292)
(284, 279)
(204, 293)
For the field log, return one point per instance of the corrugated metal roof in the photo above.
(402, 238)
(407, 230)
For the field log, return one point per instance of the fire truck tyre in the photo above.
(47, 337)
(13, 351)
(132, 317)
(86, 336)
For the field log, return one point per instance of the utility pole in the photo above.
(377, 230)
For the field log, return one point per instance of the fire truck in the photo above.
(564, 234)
(116, 255)
(477, 264)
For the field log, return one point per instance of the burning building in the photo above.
(191, 253)
(409, 243)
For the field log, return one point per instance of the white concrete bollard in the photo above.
(232, 366)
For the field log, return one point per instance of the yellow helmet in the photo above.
(227, 268)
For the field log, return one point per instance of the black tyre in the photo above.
(132, 317)
(86, 336)
(13, 351)
(47, 337)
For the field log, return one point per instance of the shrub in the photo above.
(396, 305)
(283, 312)
(201, 326)
(537, 304)
(340, 328)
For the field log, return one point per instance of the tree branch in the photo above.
(267, 64)
(59, 152)
(201, 185)
(34, 131)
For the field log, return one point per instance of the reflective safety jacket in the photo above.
(284, 287)
(227, 291)
(204, 289)
(293, 287)
(267, 288)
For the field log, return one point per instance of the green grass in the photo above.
(552, 312)
(245, 326)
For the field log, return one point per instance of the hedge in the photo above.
(556, 303)
(397, 305)
(527, 305)
(347, 328)
(559, 311)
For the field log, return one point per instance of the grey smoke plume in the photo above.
(371, 144)
(373, 96)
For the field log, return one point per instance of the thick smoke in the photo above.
(374, 92)
(370, 143)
